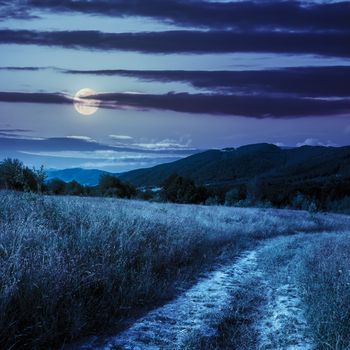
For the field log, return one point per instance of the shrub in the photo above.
(56, 186)
(15, 176)
(232, 197)
(74, 188)
(111, 186)
(178, 189)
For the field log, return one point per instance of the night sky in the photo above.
(170, 78)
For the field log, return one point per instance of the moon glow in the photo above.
(82, 104)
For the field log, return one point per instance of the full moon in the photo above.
(82, 104)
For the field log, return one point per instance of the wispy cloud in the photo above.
(111, 165)
(23, 134)
(107, 159)
(280, 144)
(166, 144)
(121, 137)
(106, 155)
(72, 146)
(81, 152)
(11, 130)
(83, 138)
(316, 142)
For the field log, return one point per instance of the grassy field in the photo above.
(70, 267)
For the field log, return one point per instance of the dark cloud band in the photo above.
(305, 81)
(324, 81)
(34, 97)
(247, 106)
(219, 15)
(16, 142)
(172, 42)
(215, 104)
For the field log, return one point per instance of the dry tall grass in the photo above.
(70, 266)
(319, 265)
(325, 279)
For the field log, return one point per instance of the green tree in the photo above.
(11, 174)
(179, 189)
(74, 188)
(56, 186)
(41, 176)
(232, 197)
(14, 175)
(111, 186)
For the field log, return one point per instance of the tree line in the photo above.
(14, 175)
(324, 194)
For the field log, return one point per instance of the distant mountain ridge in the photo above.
(86, 177)
(237, 165)
(232, 166)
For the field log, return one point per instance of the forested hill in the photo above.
(260, 161)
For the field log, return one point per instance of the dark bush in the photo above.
(179, 189)
(111, 186)
(14, 175)
(56, 186)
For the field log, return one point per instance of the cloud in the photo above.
(166, 144)
(114, 164)
(316, 142)
(120, 137)
(10, 133)
(280, 144)
(110, 155)
(256, 106)
(11, 130)
(16, 9)
(236, 14)
(63, 152)
(189, 41)
(83, 138)
(307, 81)
(38, 97)
(111, 159)
(49, 144)
(34, 69)
(69, 145)
(324, 81)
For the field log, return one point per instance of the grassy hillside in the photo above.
(73, 266)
